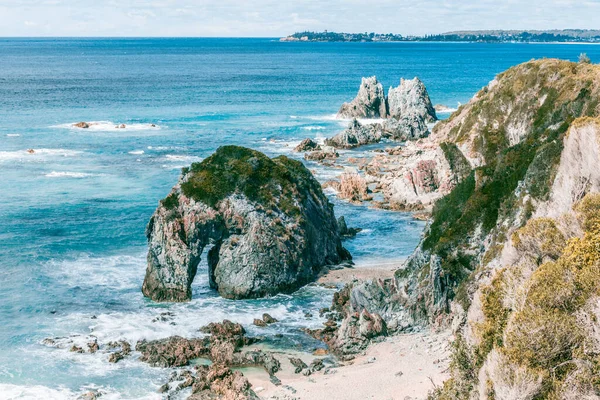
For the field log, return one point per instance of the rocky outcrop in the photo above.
(210, 382)
(174, 351)
(405, 128)
(369, 103)
(223, 347)
(409, 127)
(322, 155)
(411, 99)
(345, 231)
(577, 173)
(494, 264)
(415, 176)
(307, 145)
(356, 331)
(355, 135)
(503, 176)
(270, 226)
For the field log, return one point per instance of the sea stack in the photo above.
(268, 224)
(411, 98)
(369, 102)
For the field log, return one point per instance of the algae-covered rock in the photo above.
(270, 226)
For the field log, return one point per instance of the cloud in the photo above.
(273, 18)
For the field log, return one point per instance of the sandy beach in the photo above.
(402, 367)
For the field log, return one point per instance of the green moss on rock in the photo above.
(272, 183)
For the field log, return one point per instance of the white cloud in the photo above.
(279, 17)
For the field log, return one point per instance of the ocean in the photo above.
(73, 213)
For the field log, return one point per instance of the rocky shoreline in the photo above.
(507, 269)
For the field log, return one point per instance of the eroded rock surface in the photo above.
(369, 103)
(270, 226)
(411, 98)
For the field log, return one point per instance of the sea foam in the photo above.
(108, 126)
(67, 174)
(37, 154)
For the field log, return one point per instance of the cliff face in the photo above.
(270, 226)
(509, 258)
(510, 178)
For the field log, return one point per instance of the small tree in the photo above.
(584, 59)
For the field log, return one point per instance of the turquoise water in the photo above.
(72, 214)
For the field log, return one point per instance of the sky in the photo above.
(276, 18)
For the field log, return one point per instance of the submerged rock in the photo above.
(411, 98)
(369, 103)
(268, 319)
(259, 322)
(270, 226)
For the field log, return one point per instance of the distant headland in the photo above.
(489, 36)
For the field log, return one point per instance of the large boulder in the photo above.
(411, 98)
(406, 127)
(355, 135)
(369, 103)
(270, 226)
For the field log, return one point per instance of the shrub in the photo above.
(510, 381)
(539, 239)
(491, 330)
(541, 338)
(588, 211)
(353, 187)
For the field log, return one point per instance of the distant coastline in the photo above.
(489, 36)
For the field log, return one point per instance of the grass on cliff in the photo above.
(273, 183)
(495, 191)
(545, 325)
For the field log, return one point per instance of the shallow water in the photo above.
(73, 213)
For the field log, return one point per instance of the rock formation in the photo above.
(355, 135)
(223, 348)
(510, 258)
(270, 226)
(406, 111)
(369, 103)
(307, 145)
(411, 99)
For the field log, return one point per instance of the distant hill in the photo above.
(485, 36)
